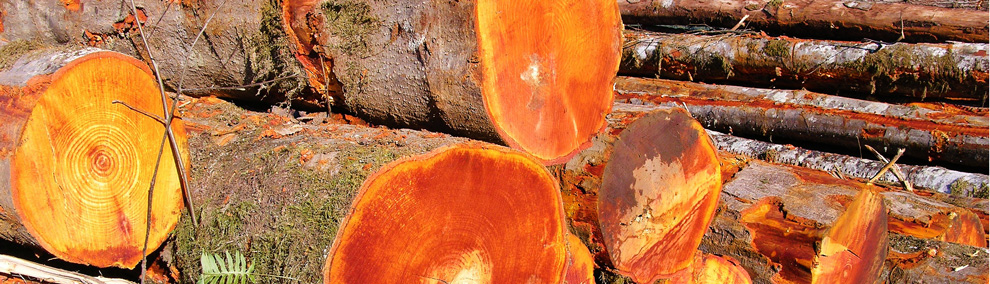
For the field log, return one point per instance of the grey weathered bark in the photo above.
(896, 72)
(835, 19)
(932, 178)
(943, 134)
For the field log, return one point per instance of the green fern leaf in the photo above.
(226, 269)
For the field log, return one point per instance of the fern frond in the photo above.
(218, 269)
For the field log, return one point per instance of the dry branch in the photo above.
(836, 19)
(940, 133)
(74, 166)
(896, 72)
(20, 268)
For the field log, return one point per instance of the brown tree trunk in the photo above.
(943, 134)
(467, 213)
(243, 53)
(896, 72)
(483, 69)
(835, 19)
(75, 167)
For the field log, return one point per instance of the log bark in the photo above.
(954, 72)
(75, 167)
(244, 52)
(815, 203)
(843, 20)
(935, 179)
(465, 69)
(942, 134)
(482, 213)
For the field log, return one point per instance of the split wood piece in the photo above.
(18, 268)
(658, 194)
(854, 248)
(945, 135)
(932, 178)
(466, 212)
(74, 166)
(489, 70)
(712, 269)
(833, 19)
(580, 262)
(788, 209)
(954, 72)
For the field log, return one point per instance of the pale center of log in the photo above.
(467, 268)
(536, 78)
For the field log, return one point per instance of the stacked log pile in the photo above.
(674, 141)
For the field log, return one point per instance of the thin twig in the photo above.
(743, 20)
(145, 113)
(887, 167)
(895, 169)
(238, 88)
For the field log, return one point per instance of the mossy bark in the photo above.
(897, 72)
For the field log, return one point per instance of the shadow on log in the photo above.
(75, 167)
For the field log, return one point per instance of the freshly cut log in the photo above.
(462, 67)
(855, 247)
(712, 269)
(835, 19)
(75, 167)
(943, 134)
(896, 72)
(484, 69)
(658, 193)
(469, 212)
(936, 179)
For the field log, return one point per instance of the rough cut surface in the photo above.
(75, 168)
(480, 212)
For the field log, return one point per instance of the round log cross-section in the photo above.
(469, 212)
(535, 75)
(74, 166)
(658, 195)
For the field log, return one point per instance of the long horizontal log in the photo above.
(896, 72)
(836, 19)
(945, 135)
(458, 67)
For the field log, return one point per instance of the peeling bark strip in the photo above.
(836, 19)
(484, 69)
(898, 72)
(75, 167)
(933, 178)
(470, 212)
(944, 135)
(243, 54)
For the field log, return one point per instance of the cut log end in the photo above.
(854, 249)
(580, 262)
(658, 195)
(466, 213)
(79, 174)
(712, 269)
(547, 90)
